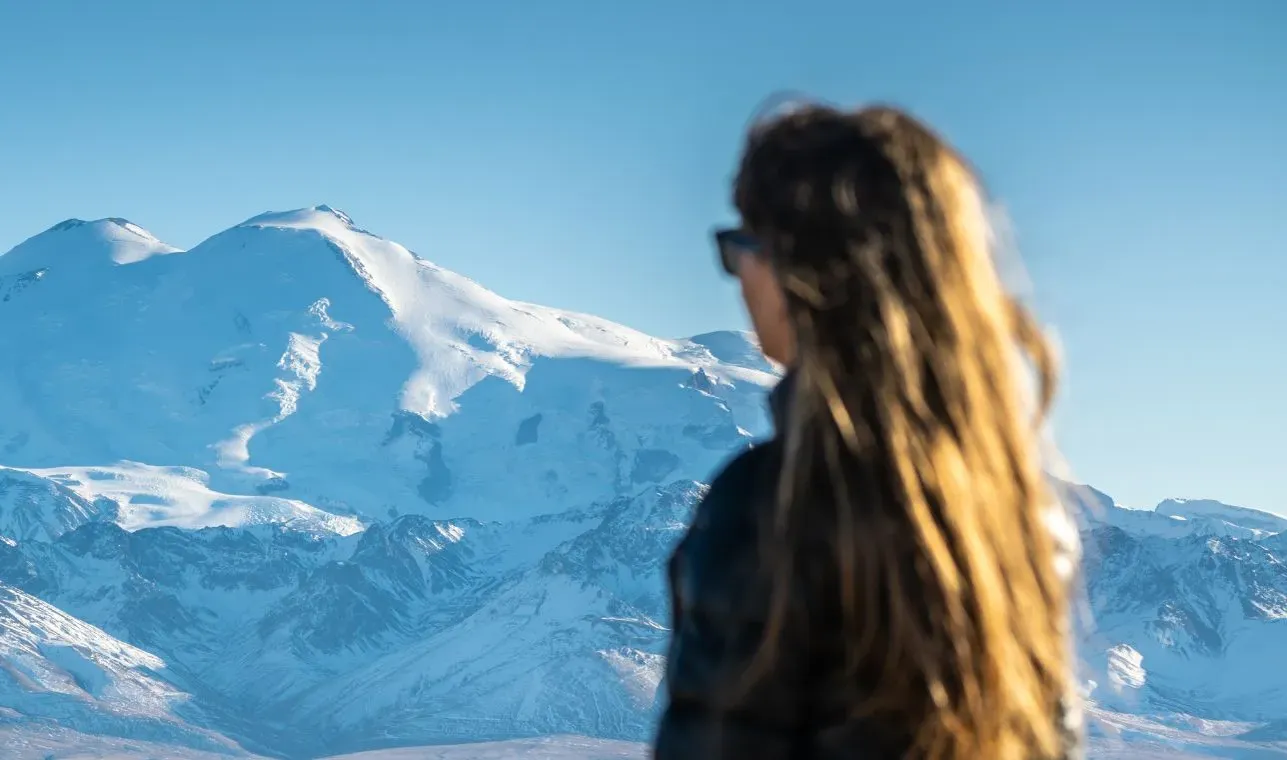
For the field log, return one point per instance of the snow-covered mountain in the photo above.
(298, 355)
(299, 492)
(1186, 631)
(57, 669)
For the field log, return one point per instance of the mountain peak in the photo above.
(738, 348)
(325, 209)
(112, 239)
(460, 331)
(110, 221)
(323, 218)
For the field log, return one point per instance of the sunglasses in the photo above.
(733, 243)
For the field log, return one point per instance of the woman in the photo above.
(881, 579)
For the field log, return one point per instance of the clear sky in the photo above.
(576, 154)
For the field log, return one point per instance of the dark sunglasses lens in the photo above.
(733, 245)
(729, 257)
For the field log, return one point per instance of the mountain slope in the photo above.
(416, 630)
(57, 669)
(594, 610)
(137, 495)
(1215, 513)
(1187, 623)
(37, 508)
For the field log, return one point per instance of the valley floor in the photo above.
(1140, 740)
(1121, 736)
(31, 742)
(47, 742)
(546, 748)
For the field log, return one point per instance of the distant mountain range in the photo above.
(298, 492)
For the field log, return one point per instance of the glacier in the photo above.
(297, 492)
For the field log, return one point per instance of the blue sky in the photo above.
(576, 153)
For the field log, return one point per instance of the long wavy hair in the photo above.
(912, 444)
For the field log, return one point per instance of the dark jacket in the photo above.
(719, 606)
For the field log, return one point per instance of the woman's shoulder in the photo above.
(746, 484)
(713, 567)
(727, 521)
